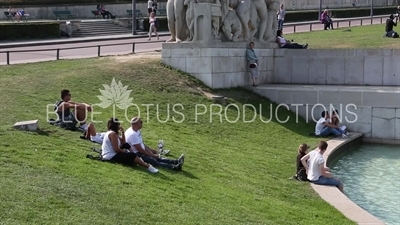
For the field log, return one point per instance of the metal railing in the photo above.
(58, 50)
(337, 21)
(294, 25)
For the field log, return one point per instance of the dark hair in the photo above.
(391, 16)
(323, 113)
(335, 112)
(113, 124)
(278, 33)
(64, 93)
(323, 145)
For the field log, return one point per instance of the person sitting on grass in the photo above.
(324, 127)
(283, 43)
(335, 121)
(390, 23)
(301, 174)
(63, 109)
(112, 148)
(314, 165)
(93, 136)
(149, 155)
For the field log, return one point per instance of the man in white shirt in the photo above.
(316, 171)
(281, 17)
(134, 138)
(324, 128)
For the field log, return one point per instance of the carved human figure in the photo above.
(176, 18)
(190, 17)
(242, 8)
(272, 23)
(262, 12)
(231, 26)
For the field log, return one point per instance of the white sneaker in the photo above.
(151, 169)
(344, 136)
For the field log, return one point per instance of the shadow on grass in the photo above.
(266, 110)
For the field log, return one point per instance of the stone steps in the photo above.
(100, 28)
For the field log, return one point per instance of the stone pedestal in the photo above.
(31, 125)
(220, 64)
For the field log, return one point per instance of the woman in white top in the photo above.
(153, 28)
(283, 43)
(111, 148)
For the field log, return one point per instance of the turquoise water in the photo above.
(371, 177)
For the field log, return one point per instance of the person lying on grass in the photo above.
(92, 135)
(149, 155)
(112, 148)
(63, 109)
(283, 43)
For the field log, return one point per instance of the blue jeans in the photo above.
(167, 163)
(280, 24)
(329, 130)
(327, 181)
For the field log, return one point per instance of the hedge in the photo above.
(310, 15)
(30, 30)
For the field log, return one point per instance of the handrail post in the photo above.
(58, 53)
(8, 58)
(381, 20)
(98, 51)
(133, 47)
(294, 29)
(310, 26)
(361, 22)
(371, 20)
(349, 23)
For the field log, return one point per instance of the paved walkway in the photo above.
(142, 45)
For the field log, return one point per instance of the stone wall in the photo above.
(373, 111)
(218, 64)
(338, 66)
(83, 11)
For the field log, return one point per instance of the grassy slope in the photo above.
(357, 37)
(233, 174)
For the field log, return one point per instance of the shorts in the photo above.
(327, 181)
(98, 138)
(126, 158)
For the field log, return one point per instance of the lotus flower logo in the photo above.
(116, 95)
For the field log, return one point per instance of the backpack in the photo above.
(302, 175)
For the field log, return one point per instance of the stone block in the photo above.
(165, 53)
(381, 99)
(284, 96)
(373, 71)
(397, 134)
(304, 97)
(224, 65)
(177, 63)
(185, 52)
(328, 96)
(241, 64)
(216, 52)
(350, 97)
(283, 70)
(364, 128)
(384, 113)
(354, 71)
(391, 71)
(299, 70)
(317, 70)
(335, 71)
(358, 115)
(199, 65)
(206, 78)
(383, 128)
(398, 113)
(30, 125)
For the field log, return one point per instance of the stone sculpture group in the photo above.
(222, 20)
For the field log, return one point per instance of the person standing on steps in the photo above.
(253, 63)
(153, 27)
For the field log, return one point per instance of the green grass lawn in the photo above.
(233, 173)
(347, 37)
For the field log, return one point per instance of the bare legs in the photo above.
(151, 30)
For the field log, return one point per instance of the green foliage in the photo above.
(27, 30)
